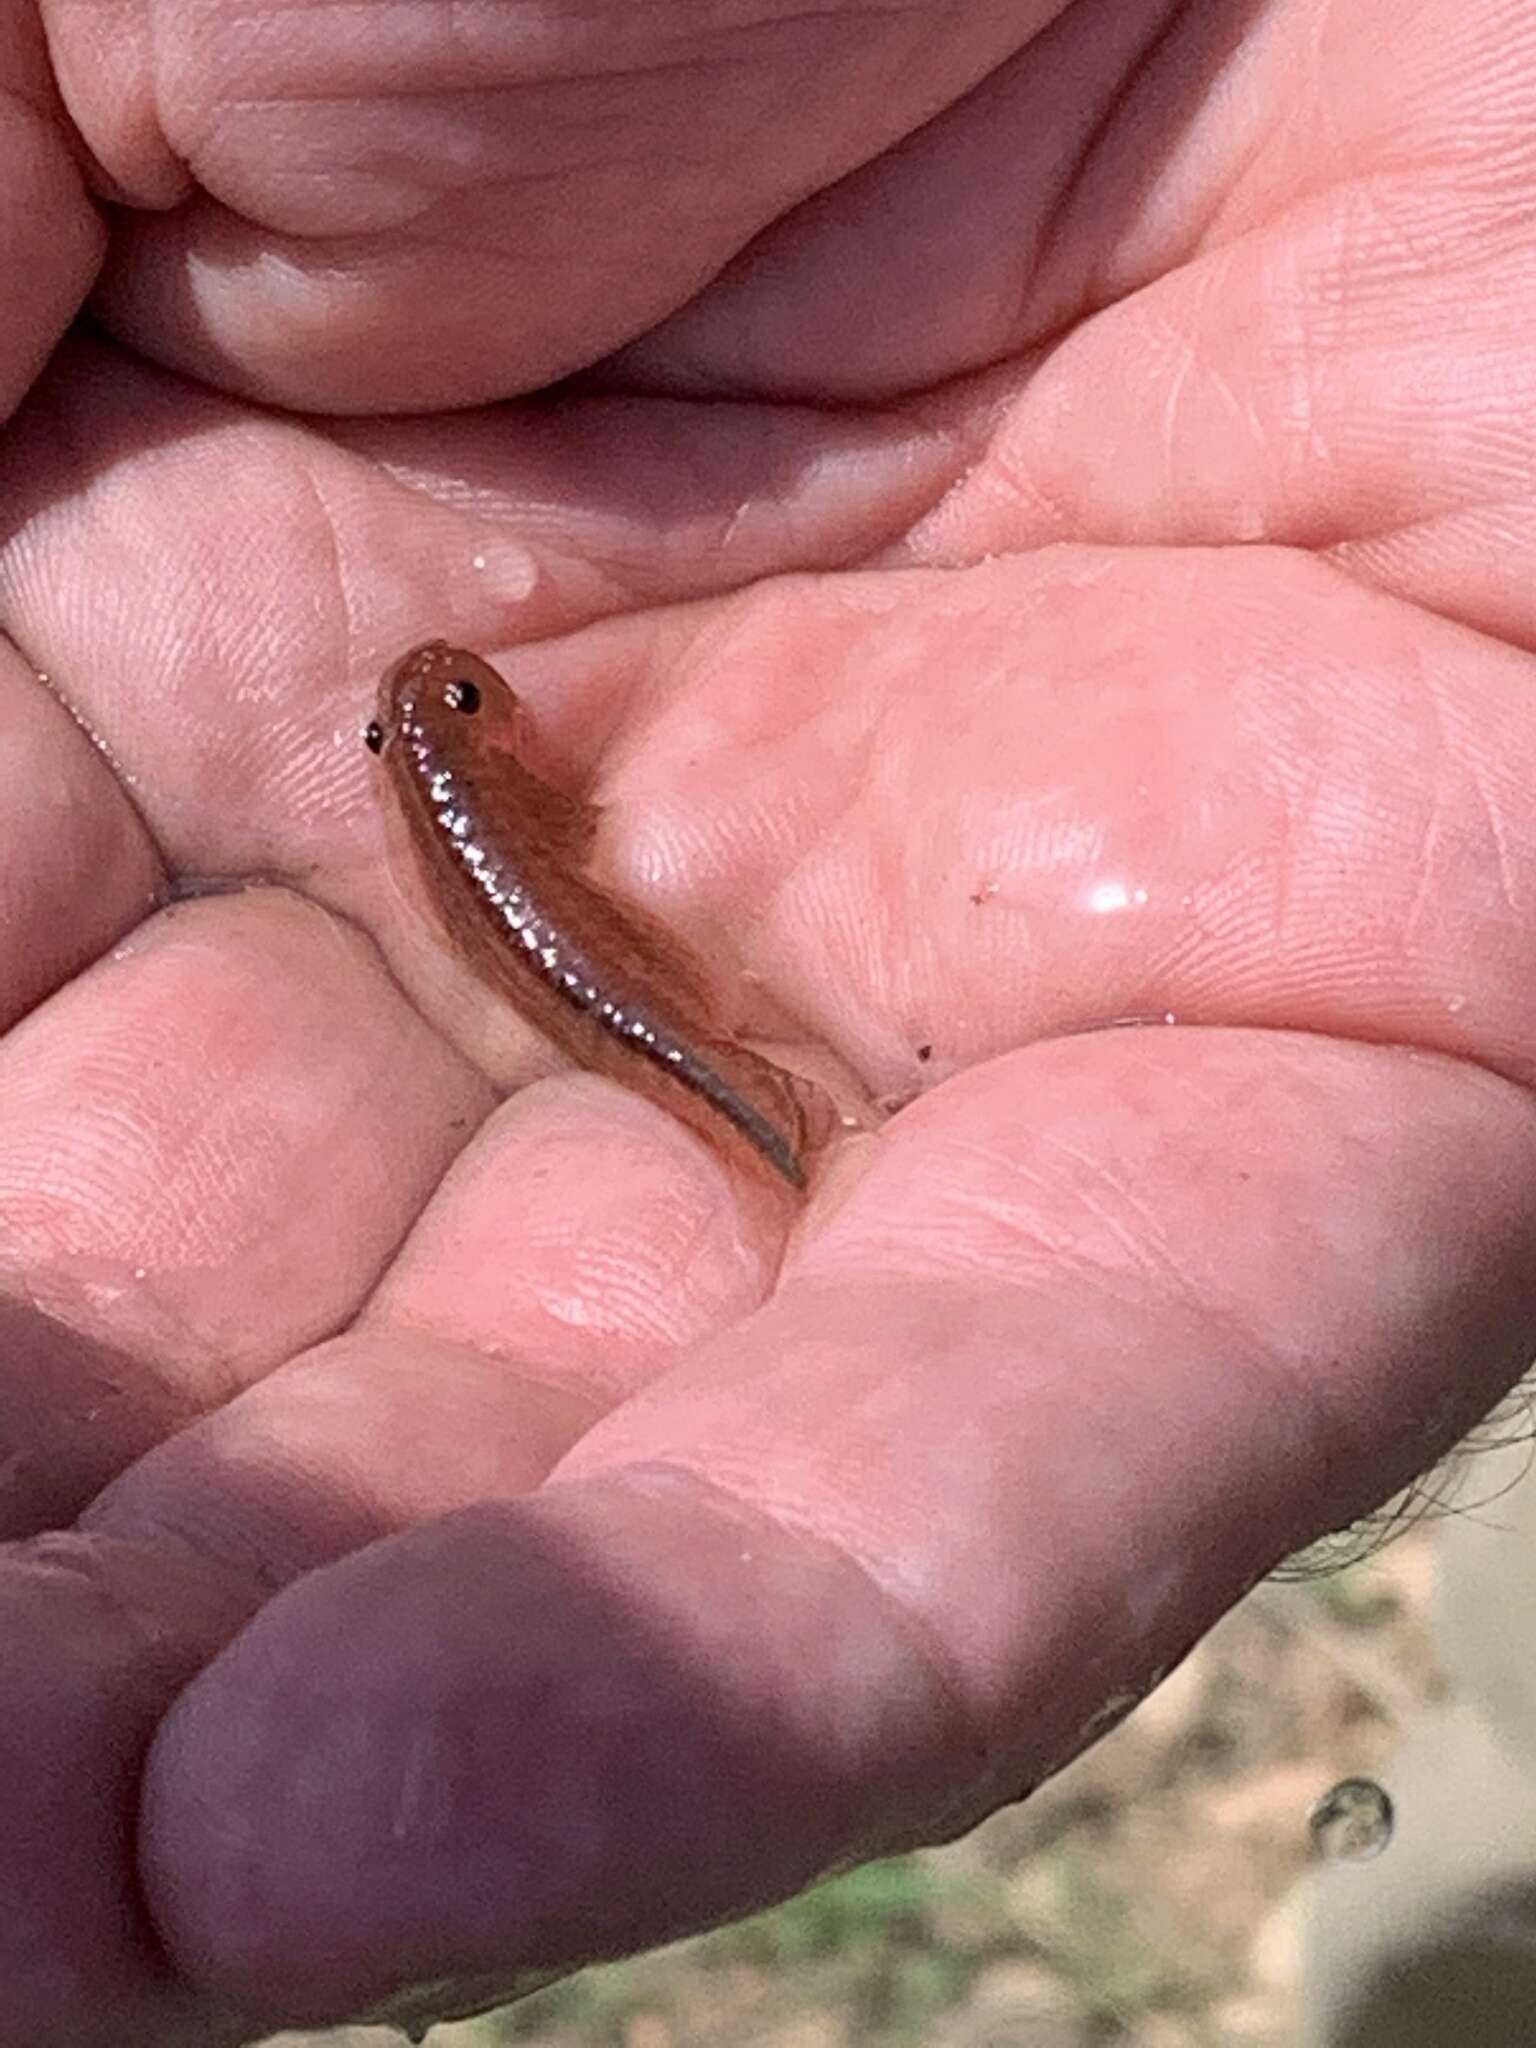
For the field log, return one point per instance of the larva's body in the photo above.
(503, 855)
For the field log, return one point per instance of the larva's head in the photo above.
(445, 698)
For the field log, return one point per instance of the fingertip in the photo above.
(522, 1739)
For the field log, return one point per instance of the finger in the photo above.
(79, 869)
(209, 1146)
(98, 1638)
(1034, 201)
(519, 176)
(573, 1249)
(50, 237)
(1087, 1349)
(580, 1244)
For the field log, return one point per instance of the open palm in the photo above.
(454, 1538)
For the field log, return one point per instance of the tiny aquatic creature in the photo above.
(505, 859)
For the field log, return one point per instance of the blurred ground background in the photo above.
(1144, 1897)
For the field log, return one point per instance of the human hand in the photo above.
(496, 1545)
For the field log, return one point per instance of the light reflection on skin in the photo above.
(1106, 897)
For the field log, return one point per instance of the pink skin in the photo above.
(470, 1619)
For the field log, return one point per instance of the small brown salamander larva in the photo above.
(504, 856)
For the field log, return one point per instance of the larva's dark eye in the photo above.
(462, 695)
(373, 736)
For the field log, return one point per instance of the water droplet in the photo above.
(1352, 1822)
